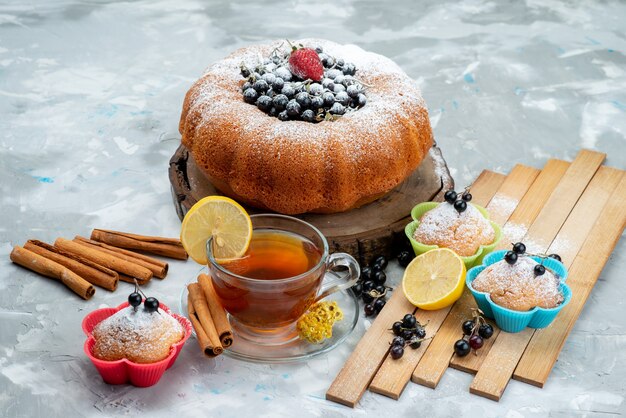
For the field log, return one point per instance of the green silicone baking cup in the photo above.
(418, 211)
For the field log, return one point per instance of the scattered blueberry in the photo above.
(269, 78)
(316, 89)
(396, 351)
(280, 102)
(380, 277)
(519, 248)
(151, 304)
(460, 206)
(283, 73)
(450, 197)
(288, 91)
(349, 68)
(362, 100)
(264, 103)
(278, 84)
(485, 331)
(468, 327)
(293, 108)
(381, 260)
(555, 256)
(353, 90)
(134, 299)
(303, 99)
(539, 270)
(337, 109)
(404, 258)
(379, 305)
(510, 257)
(250, 95)
(343, 98)
(283, 115)
(308, 116)
(329, 98)
(261, 86)
(461, 348)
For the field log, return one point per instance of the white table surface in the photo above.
(90, 96)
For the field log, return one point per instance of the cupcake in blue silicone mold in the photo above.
(511, 320)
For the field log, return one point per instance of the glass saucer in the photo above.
(294, 350)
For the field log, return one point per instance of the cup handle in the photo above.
(334, 285)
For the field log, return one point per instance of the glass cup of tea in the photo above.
(286, 269)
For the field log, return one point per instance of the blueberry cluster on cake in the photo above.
(301, 83)
(310, 127)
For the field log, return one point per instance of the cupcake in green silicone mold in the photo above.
(456, 224)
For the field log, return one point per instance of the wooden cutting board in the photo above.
(373, 229)
(573, 209)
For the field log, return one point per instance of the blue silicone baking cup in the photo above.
(515, 321)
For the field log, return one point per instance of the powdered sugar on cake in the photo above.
(517, 287)
(462, 232)
(219, 96)
(139, 335)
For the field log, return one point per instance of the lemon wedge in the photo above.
(221, 218)
(434, 279)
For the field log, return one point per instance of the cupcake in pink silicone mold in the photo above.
(134, 343)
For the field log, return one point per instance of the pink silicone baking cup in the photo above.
(125, 371)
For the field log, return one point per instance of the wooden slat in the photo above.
(538, 194)
(564, 198)
(513, 231)
(498, 365)
(393, 375)
(545, 345)
(370, 352)
(357, 373)
(436, 358)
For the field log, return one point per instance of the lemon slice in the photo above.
(434, 279)
(224, 220)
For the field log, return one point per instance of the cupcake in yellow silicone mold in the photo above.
(455, 224)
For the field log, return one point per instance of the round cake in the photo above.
(462, 232)
(364, 140)
(137, 335)
(517, 287)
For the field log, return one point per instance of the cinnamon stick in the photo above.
(167, 247)
(157, 267)
(105, 259)
(129, 279)
(198, 309)
(220, 320)
(49, 268)
(88, 270)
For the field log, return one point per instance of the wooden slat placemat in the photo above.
(500, 362)
(573, 209)
(357, 373)
(393, 375)
(514, 231)
(370, 352)
(545, 345)
(433, 364)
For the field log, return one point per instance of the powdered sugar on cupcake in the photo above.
(139, 336)
(462, 232)
(515, 286)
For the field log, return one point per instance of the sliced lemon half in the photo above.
(221, 218)
(434, 279)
